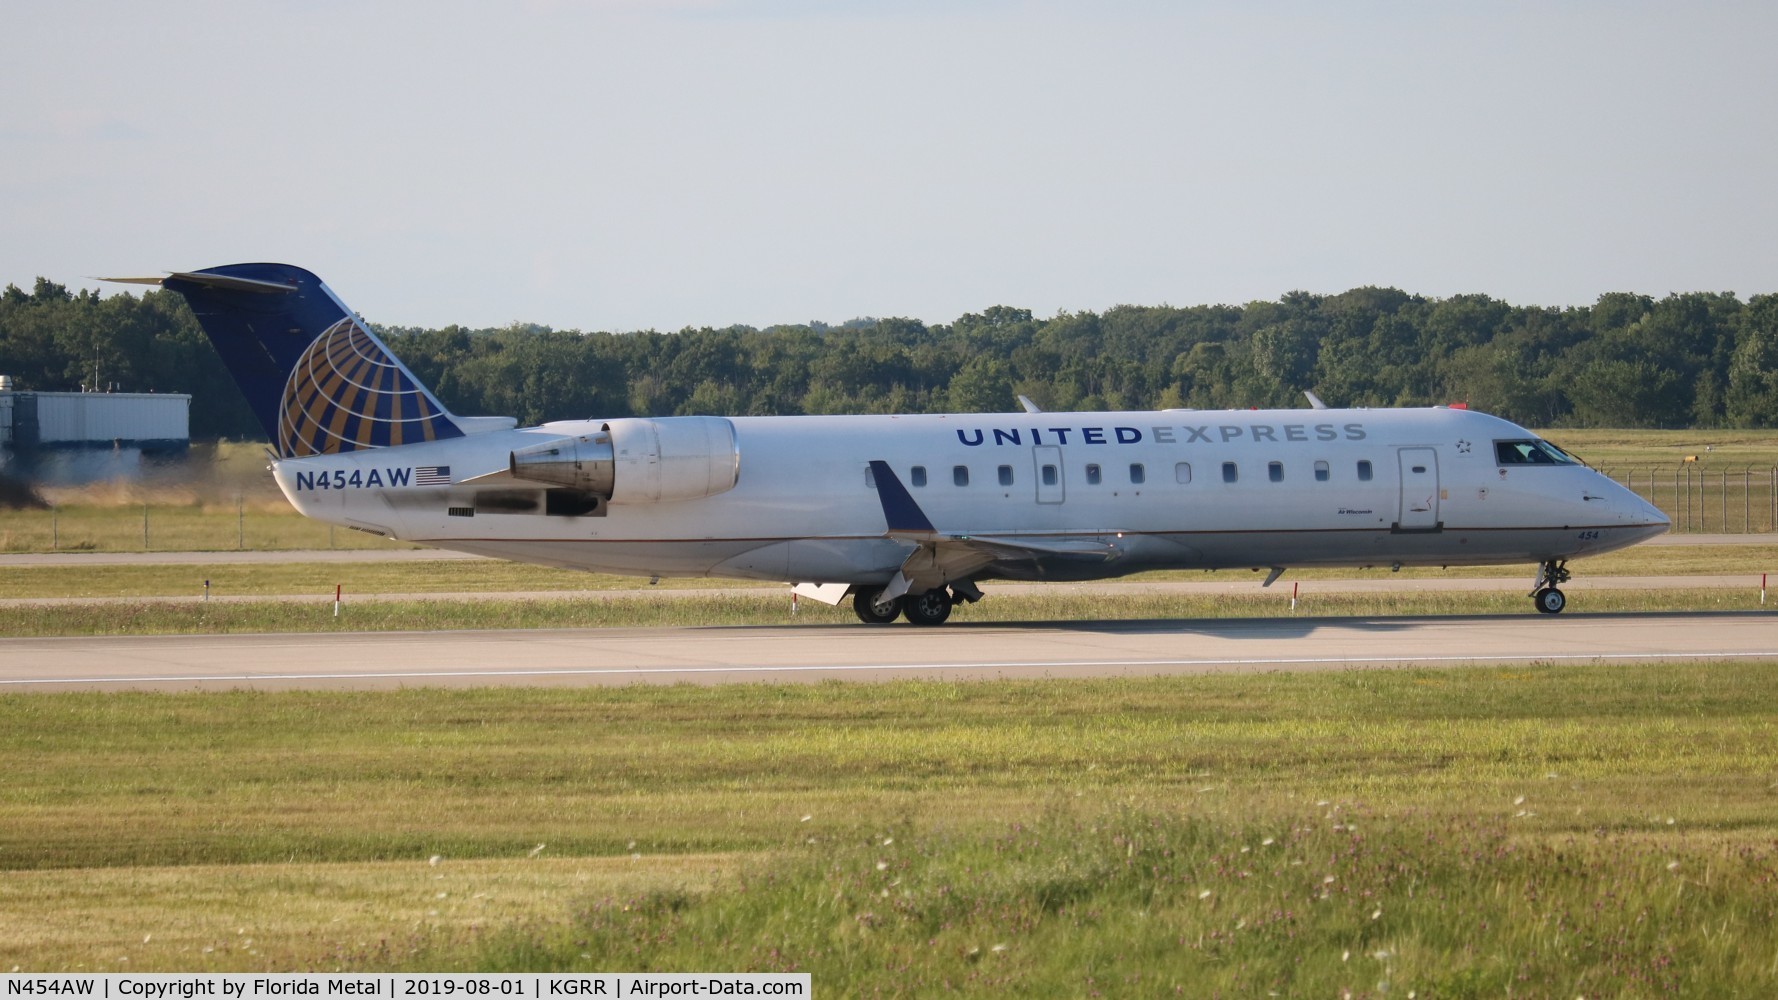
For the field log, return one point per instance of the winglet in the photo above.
(899, 509)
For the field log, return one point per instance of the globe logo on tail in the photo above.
(347, 392)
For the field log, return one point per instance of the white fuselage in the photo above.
(1167, 489)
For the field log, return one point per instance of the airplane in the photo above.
(904, 515)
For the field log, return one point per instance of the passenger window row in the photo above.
(1138, 474)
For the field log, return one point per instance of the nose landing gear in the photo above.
(1544, 595)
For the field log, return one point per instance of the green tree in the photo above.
(1752, 396)
(983, 385)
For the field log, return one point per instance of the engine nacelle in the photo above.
(581, 463)
(639, 460)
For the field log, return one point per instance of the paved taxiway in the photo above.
(709, 655)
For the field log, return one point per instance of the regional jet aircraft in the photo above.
(904, 515)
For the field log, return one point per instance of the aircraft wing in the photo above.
(941, 558)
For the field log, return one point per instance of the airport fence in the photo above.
(239, 524)
(1700, 500)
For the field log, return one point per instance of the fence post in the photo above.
(55, 528)
(240, 524)
(145, 527)
(1725, 501)
(1746, 503)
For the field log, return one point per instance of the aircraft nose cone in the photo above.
(1639, 514)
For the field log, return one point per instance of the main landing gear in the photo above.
(930, 608)
(1544, 595)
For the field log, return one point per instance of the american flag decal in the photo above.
(432, 475)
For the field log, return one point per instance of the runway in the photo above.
(713, 655)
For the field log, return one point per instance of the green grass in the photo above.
(358, 578)
(1138, 903)
(493, 576)
(764, 607)
(192, 527)
(1544, 830)
(1714, 450)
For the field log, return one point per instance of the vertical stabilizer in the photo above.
(319, 381)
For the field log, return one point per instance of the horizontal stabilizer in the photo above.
(228, 281)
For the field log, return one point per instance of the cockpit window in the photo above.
(1530, 452)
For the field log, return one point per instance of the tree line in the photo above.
(1697, 359)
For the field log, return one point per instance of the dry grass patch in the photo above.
(309, 916)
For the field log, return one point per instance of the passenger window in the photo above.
(960, 475)
(1230, 473)
(1321, 471)
(918, 475)
(1093, 475)
(1006, 475)
(1275, 471)
(1182, 472)
(1364, 470)
(1138, 474)
(1049, 475)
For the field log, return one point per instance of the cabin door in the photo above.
(1048, 461)
(1419, 490)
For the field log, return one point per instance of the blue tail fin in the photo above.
(317, 378)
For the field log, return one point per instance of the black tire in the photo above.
(930, 608)
(865, 606)
(1550, 601)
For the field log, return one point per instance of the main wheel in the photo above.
(930, 608)
(871, 611)
(1550, 601)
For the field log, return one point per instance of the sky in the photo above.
(623, 165)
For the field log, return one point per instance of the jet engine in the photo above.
(638, 460)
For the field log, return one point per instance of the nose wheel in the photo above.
(1544, 595)
(1550, 601)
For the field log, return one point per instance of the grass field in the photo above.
(1713, 449)
(492, 576)
(762, 607)
(1473, 832)
(161, 527)
(1541, 831)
